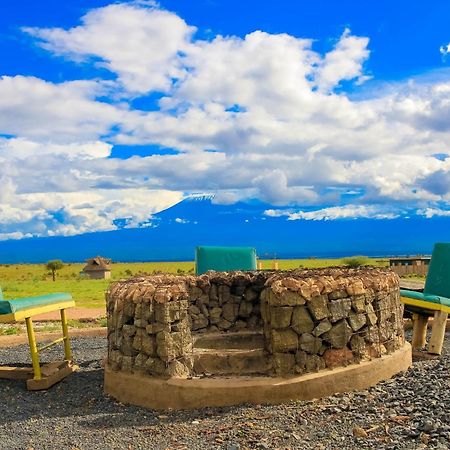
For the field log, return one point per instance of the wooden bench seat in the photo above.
(434, 300)
(14, 310)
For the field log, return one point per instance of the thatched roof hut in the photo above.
(98, 268)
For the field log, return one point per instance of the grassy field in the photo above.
(33, 279)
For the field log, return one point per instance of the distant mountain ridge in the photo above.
(176, 231)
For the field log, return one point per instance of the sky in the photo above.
(111, 112)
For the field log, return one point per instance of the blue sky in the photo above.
(111, 112)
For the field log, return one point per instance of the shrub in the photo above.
(356, 261)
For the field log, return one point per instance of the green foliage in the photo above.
(9, 331)
(356, 261)
(53, 266)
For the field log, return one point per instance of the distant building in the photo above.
(98, 268)
(417, 265)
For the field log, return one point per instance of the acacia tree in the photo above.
(53, 266)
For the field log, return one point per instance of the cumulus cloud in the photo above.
(262, 116)
(335, 212)
(65, 112)
(137, 41)
(71, 213)
(344, 62)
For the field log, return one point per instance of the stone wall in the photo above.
(326, 318)
(311, 319)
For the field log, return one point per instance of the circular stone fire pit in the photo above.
(262, 337)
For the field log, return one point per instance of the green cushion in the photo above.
(20, 304)
(425, 297)
(224, 259)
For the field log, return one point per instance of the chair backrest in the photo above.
(224, 259)
(438, 278)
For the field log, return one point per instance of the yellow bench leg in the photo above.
(65, 330)
(33, 349)
(419, 337)
(438, 332)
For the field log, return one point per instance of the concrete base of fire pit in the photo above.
(177, 393)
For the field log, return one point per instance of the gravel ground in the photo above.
(408, 412)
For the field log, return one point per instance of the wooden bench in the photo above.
(433, 301)
(15, 310)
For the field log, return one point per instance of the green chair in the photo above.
(224, 259)
(434, 300)
(14, 310)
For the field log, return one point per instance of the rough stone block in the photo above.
(230, 311)
(126, 346)
(286, 298)
(224, 324)
(340, 309)
(359, 303)
(335, 357)
(200, 322)
(314, 363)
(194, 310)
(155, 366)
(337, 294)
(253, 321)
(310, 343)
(356, 288)
(140, 361)
(245, 309)
(356, 321)
(283, 363)
(284, 340)
(215, 315)
(301, 320)
(127, 363)
(177, 369)
(240, 325)
(250, 295)
(280, 317)
(157, 327)
(323, 326)
(339, 334)
(129, 330)
(223, 293)
(372, 318)
(318, 306)
(358, 345)
(300, 358)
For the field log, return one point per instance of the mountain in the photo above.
(175, 232)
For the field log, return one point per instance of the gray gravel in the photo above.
(411, 411)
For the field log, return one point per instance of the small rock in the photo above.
(359, 432)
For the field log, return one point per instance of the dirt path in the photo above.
(74, 313)
(11, 341)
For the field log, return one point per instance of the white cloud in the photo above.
(260, 116)
(83, 211)
(335, 212)
(344, 62)
(137, 41)
(20, 148)
(35, 109)
(432, 212)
